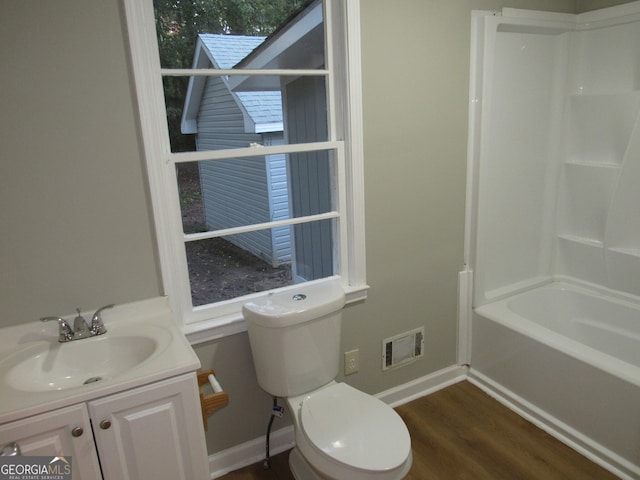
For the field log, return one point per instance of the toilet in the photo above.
(341, 433)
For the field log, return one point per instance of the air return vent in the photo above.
(403, 348)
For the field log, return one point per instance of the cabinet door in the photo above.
(152, 433)
(62, 433)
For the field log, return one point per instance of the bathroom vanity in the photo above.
(140, 420)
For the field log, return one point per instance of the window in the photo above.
(264, 136)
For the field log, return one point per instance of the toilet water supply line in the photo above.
(276, 411)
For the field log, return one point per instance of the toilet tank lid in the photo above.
(293, 306)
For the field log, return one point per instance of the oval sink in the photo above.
(72, 364)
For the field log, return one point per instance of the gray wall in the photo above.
(76, 220)
(76, 227)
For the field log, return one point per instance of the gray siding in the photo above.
(279, 198)
(310, 178)
(235, 192)
(245, 190)
(220, 120)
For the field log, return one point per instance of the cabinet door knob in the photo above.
(10, 450)
(77, 432)
(105, 424)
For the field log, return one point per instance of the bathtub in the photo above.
(568, 359)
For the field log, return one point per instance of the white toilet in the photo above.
(341, 433)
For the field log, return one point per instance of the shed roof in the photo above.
(228, 50)
(298, 43)
(264, 108)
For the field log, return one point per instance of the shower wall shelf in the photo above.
(633, 252)
(594, 242)
(589, 242)
(592, 164)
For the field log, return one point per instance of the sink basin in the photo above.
(143, 345)
(48, 366)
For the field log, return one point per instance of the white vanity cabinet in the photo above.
(153, 432)
(63, 432)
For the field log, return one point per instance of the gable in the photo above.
(262, 110)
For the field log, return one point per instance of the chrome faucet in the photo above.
(65, 332)
(97, 325)
(80, 328)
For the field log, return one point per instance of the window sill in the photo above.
(207, 330)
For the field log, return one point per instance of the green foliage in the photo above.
(178, 23)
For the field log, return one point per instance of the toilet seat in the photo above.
(354, 432)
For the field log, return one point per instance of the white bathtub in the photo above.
(568, 359)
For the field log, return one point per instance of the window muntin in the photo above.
(164, 165)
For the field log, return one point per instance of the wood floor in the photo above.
(461, 433)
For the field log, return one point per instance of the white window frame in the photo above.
(208, 322)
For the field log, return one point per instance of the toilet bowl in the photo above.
(341, 433)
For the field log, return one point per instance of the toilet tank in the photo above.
(295, 337)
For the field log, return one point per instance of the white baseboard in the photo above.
(423, 386)
(556, 428)
(250, 452)
(253, 451)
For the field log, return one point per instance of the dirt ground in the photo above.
(219, 270)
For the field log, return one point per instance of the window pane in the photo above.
(313, 253)
(190, 197)
(224, 268)
(219, 194)
(237, 34)
(229, 267)
(215, 113)
(180, 22)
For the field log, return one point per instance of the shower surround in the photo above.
(554, 202)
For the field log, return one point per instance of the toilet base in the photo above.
(300, 468)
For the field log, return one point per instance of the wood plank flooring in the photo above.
(461, 433)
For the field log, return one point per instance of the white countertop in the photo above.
(173, 356)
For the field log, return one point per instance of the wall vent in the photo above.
(402, 349)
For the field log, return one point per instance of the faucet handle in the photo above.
(97, 325)
(65, 332)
